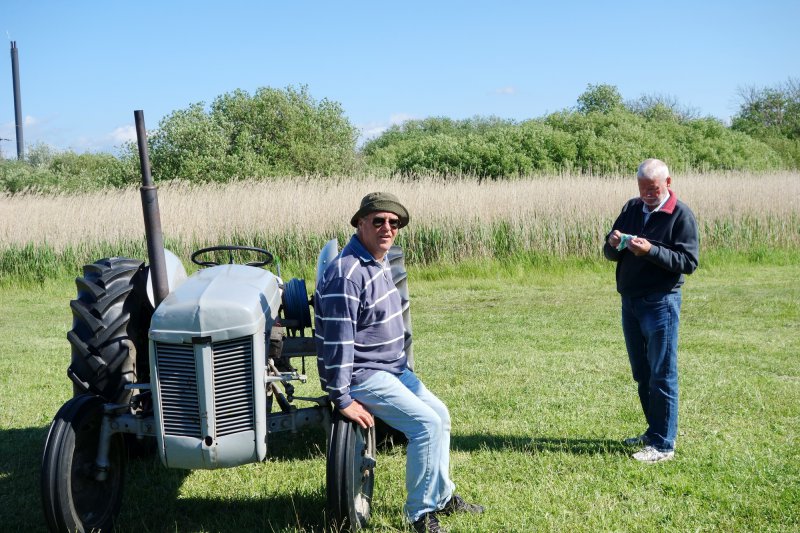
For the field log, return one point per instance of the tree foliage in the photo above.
(772, 115)
(47, 170)
(770, 109)
(287, 132)
(483, 147)
(602, 136)
(272, 132)
(662, 107)
(601, 98)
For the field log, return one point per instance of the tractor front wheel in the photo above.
(350, 474)
(72, 496)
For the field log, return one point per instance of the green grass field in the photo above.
(530, 359)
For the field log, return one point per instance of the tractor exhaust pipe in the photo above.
(152, 216)
(17, 100)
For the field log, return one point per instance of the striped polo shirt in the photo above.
(358, 322)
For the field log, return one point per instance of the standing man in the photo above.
(654, 242)
(360, 336)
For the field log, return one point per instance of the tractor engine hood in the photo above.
(222, 302)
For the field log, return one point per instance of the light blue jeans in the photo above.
(404, 403)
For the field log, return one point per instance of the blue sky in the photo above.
(85, 66)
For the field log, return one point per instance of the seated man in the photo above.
(361, 336)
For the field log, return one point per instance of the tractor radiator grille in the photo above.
(233, 386)
(178, 385)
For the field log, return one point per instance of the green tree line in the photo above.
(602, 135)
(287, 132)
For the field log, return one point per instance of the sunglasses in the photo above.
(378, 222)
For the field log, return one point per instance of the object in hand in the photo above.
(623, 240)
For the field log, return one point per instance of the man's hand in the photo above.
(356, 412)
(615, 238)
(639, 246)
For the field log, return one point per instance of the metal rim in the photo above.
(360, 468)
(73, 498)
(350, 474)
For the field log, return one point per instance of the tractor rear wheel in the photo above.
(111, 317)
(73, 499)
(350, 474)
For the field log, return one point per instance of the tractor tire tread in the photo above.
(111, 316)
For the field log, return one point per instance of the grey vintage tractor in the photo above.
(199, 368)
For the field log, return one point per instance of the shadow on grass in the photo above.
(151, 496)
(20, 464)
(299, 512)
(152, 501)
(524, 444)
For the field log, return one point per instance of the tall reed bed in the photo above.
(559, 216)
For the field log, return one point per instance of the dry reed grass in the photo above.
(563, 214)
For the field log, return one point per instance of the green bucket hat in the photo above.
(381, 201)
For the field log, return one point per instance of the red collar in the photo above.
(672, 201)
(669, 205)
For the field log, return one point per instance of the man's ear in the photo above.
(669, 181)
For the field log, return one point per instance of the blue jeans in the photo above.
(405, 404)
(650, 326)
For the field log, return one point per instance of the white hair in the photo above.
(653, 169)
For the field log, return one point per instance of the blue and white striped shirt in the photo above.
(358, 322)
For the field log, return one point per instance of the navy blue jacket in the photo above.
(672, 231)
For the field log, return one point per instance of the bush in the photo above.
(287, 132)
(787, 149)
(774, 110)
(274, 132)
(46, 170)
(189, 145)
(772, 115)
(18, 176)
(602, 137)
(712, 146)
(88, 171)
(482, 147)
(601, 98)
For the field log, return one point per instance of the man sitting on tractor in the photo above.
(361, 336)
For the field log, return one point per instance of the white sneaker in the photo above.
(638, 440)
(649, 454)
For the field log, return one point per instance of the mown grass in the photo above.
(530, 359)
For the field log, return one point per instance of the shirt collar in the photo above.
(362, 253)
(660, 206)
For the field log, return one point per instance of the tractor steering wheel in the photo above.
(229, 248)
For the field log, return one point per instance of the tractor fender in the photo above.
(176, 275)
(328, 254)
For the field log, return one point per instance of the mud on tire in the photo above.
(111, 317)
